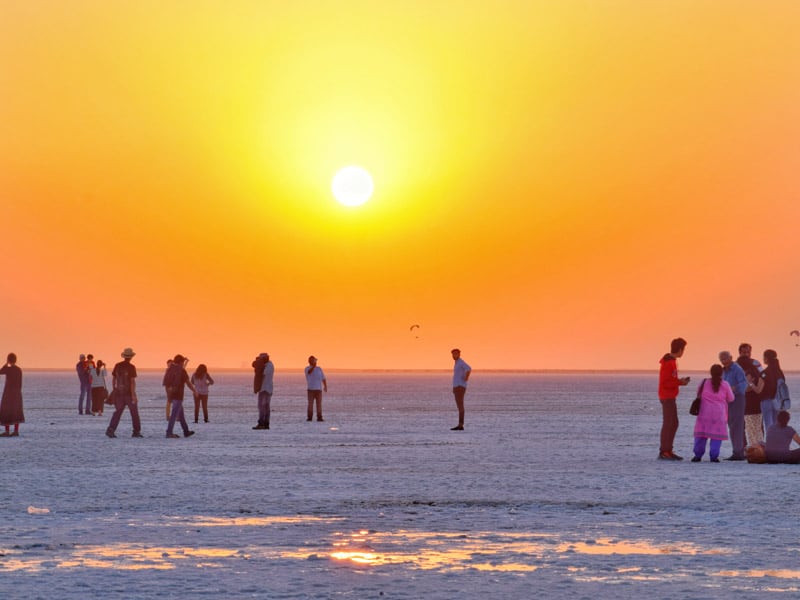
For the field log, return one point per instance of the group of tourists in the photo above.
(95, 392)
(741, 400)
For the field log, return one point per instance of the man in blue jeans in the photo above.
(734, 375)
(175, 379)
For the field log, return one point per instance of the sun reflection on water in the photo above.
(507, 552)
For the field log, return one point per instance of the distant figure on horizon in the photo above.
(263, 386)
(779, 440)
(734, 375)
(712, 422)
(770, 375)
(315, 384)
(99, 388)
(166, 394)
(201, 380)
(175, 379)
(754, 431)
(11, 412)
(85, 380)
(461, 373)
(668, 388)
(123, 382)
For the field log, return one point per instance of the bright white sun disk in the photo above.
(352, 185)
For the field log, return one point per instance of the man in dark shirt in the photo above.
(124, 389)
(175, 379)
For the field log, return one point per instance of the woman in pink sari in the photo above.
(712, 422)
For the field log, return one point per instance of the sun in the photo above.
(352, 185)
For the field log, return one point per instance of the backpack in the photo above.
(782, 398)
(174, 376)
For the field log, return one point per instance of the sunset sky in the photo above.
(558, 185)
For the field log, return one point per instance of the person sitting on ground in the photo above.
(779, 438)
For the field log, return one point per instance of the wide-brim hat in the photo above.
(128, 353)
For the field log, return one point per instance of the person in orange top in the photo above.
(668, 387)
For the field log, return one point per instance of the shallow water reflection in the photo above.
(308, 538)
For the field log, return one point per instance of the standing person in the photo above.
(668, 388)
(11, 403)
(461, 373)
(166, 393)
(712, 421)
(174, 380)
(734, 375)
(99, 389)
(754, 431)
(315, 384)
(779, 439)
(770, 375)
(263, 386)
(123, 381)
(201, 380)
(85, 380)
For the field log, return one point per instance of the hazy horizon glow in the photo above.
(558, 185)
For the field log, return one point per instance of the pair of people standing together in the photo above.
(263, 385)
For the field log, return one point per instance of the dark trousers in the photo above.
(177, 415)
(458, 393)
(264, 399)
(669, 425)
(119, 406)
(314, 396)
(736, 424)
(201, 400)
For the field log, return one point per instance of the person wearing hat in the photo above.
(315, 384)
(262, 385)
(461, 373)
(85, 380)
(175, 379)
(123, 381)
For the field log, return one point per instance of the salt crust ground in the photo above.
(552, 489)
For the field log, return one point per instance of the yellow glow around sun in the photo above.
(352, 185)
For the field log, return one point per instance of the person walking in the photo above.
(461, 373)
(11, 412)
(175, 379)
(123, 381)
(263, 386)
(753, 427)
(734, 375)
(85, 381)
(668, 388)
(201, 380)
(712, 422)
(315, 385)
(99, 388)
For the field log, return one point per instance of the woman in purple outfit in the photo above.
(712, 422)
(779, 439)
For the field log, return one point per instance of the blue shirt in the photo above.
(735, 377)
(269, 372)
(314, 378)
(460, 370)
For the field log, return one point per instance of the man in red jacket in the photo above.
(668, 388)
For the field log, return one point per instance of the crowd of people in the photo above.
(742, 401)
(95, 394)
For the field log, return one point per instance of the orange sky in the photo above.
(557, 184)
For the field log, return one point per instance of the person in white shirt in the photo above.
(265, 389)
(315, 385)
(461, 373)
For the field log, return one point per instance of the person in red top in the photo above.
(668, 387)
